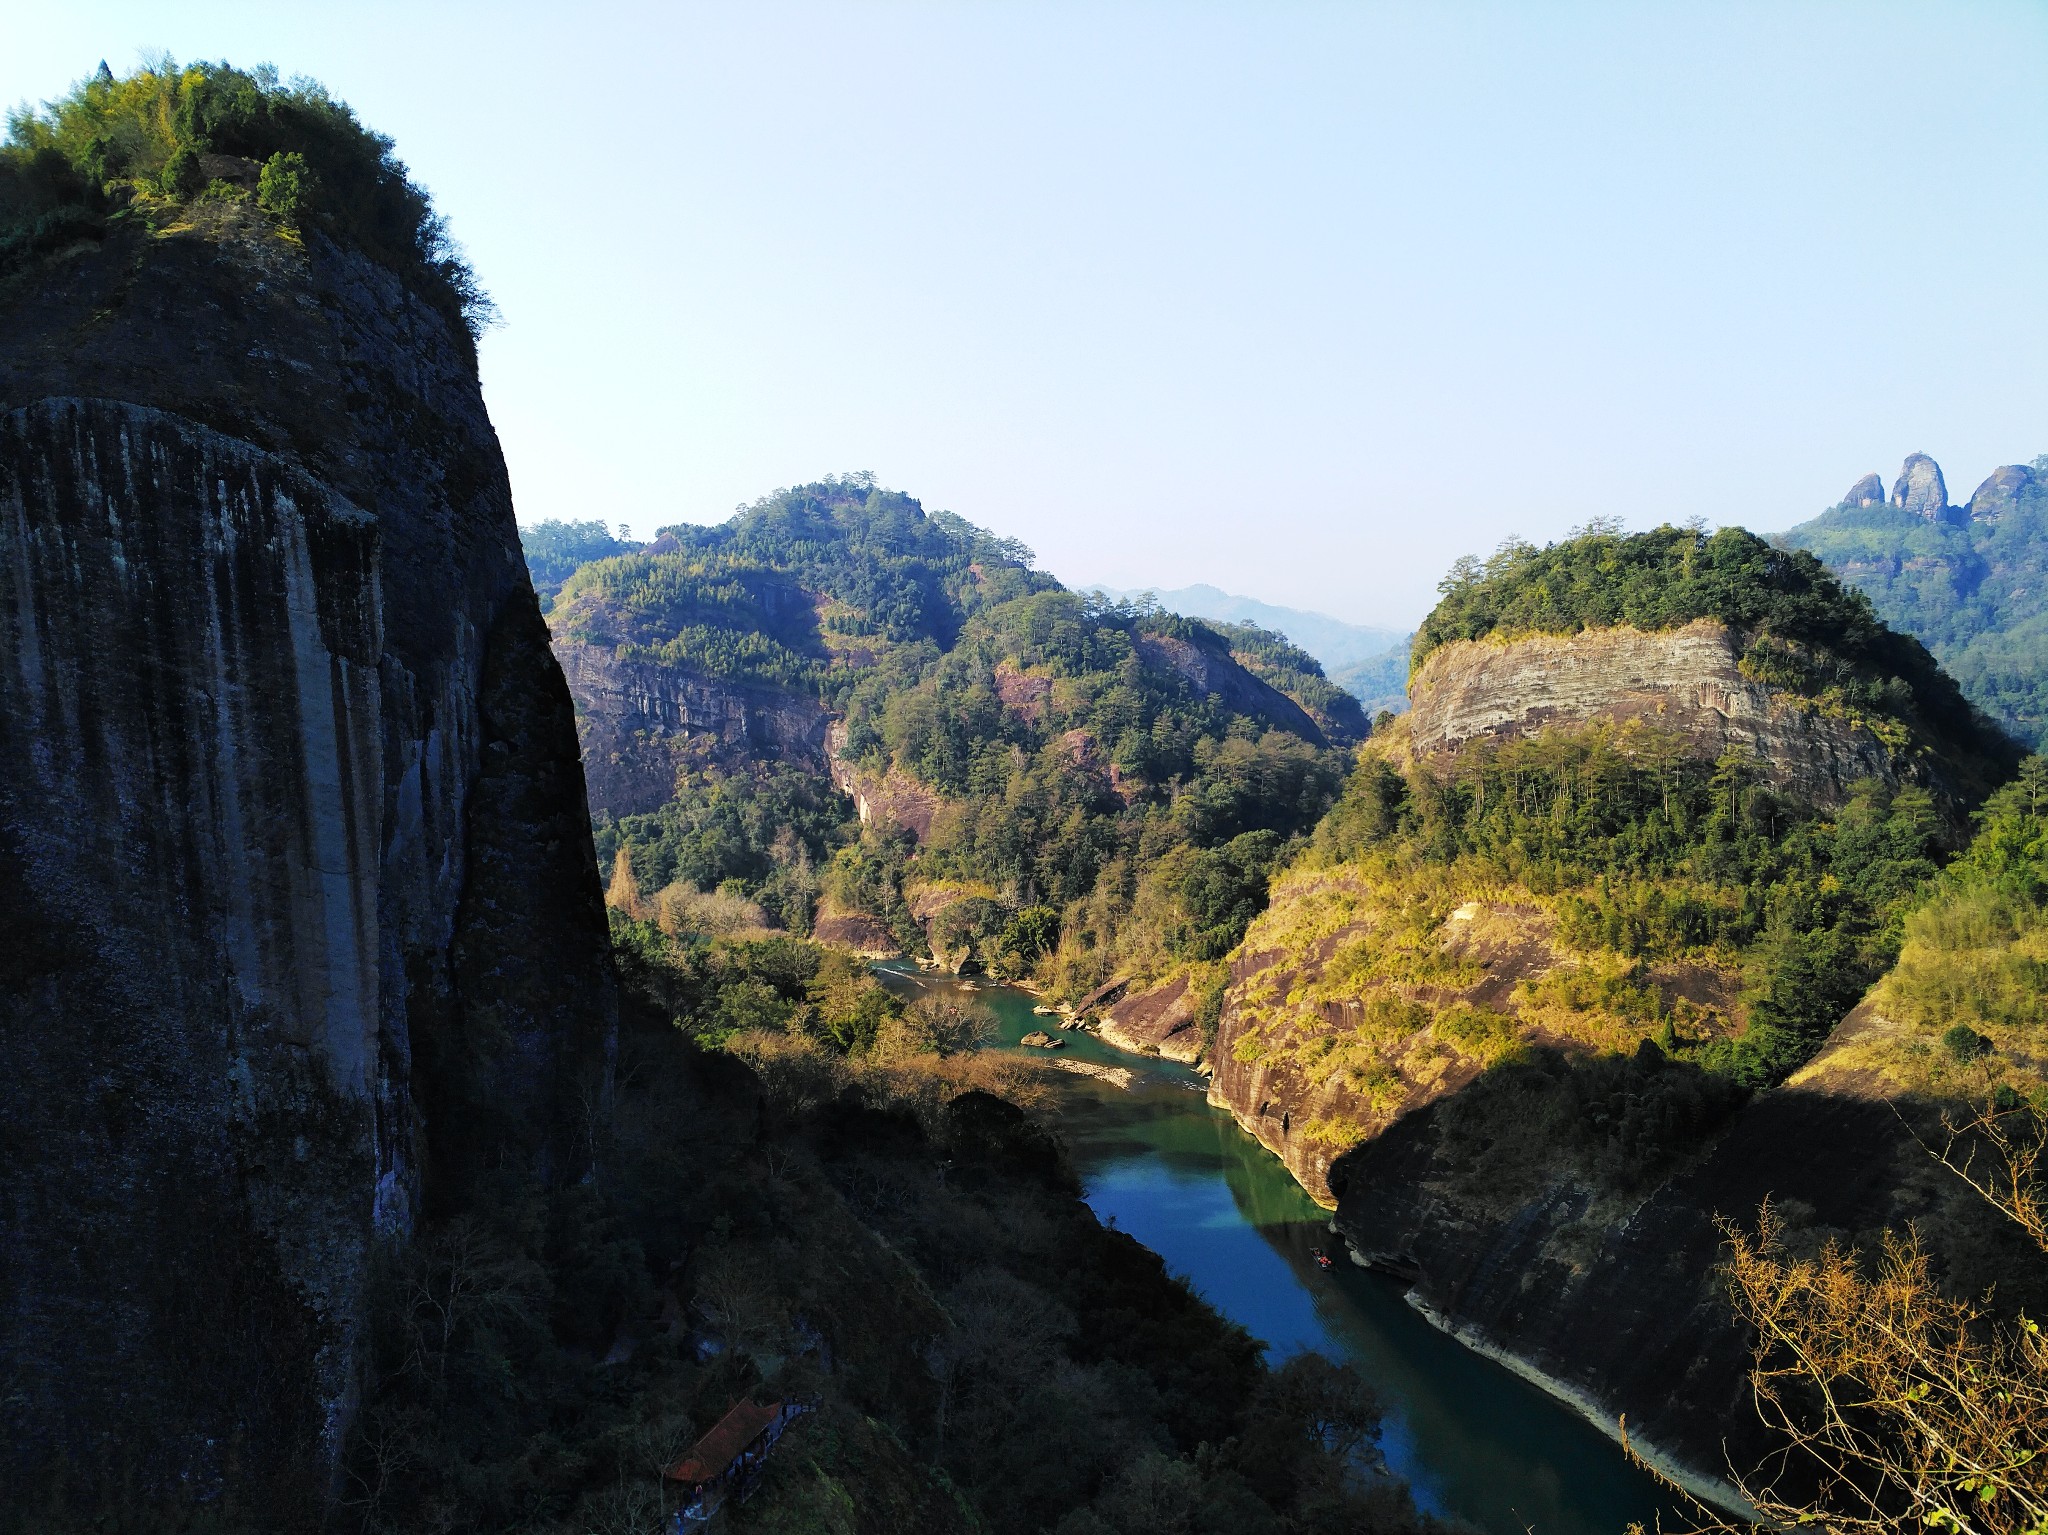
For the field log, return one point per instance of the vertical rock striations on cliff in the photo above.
(304, 920)
(1920, 491)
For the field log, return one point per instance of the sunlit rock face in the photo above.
(1607, 1296)
(1686, 682)
(303, 922)
(1920, 489)
(642, 722)
(1999, 492)
(1868, 491)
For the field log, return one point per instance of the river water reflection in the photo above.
(1473, 1440)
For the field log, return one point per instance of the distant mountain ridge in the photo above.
(1970, 581)
(1332, 641)
(1368, 662)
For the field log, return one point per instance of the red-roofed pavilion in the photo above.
(727, 1461)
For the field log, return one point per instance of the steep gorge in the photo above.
(295, 844)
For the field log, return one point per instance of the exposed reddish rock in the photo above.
(857, 933)
(886, 799)
(1218, 676)
(1157, 1021)
(1022, 694)
(1101, 997)
(640, 722)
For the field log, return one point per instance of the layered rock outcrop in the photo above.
(641, 722)
(1687, 682)
(302, 911)
(1160, 1021)
(1365, 1008)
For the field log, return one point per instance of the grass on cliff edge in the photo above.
(1964, 1012)
(134, 146)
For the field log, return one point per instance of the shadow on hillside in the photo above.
(1569, 1211)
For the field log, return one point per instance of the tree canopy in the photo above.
(139, 146)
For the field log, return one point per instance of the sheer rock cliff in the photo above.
(1686, 681)
(304, 920)
(640, 722)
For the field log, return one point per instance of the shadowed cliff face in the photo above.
(1610, 1286)
(292, 828)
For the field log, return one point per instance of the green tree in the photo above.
(284, 186)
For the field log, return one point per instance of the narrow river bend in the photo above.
(1472, 1439)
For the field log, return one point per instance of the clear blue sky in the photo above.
(1301, 300)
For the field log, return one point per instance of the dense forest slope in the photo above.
(294, 865)
(1970, 581)
(1650, 831)
(886, 726)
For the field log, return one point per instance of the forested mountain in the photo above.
(1654, 825)
(1970, 581)
(1046, 783)
(1379, 683)
(554, 551)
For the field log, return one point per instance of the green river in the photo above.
(1472, 1439)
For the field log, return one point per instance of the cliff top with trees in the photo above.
(1800, 627)
(142, 147)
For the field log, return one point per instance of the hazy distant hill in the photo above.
(1378, 682)
(1368, 662)
(1330, 640)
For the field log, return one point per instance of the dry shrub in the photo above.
(799, 1075)
(1897, 1405)
(683, 908)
